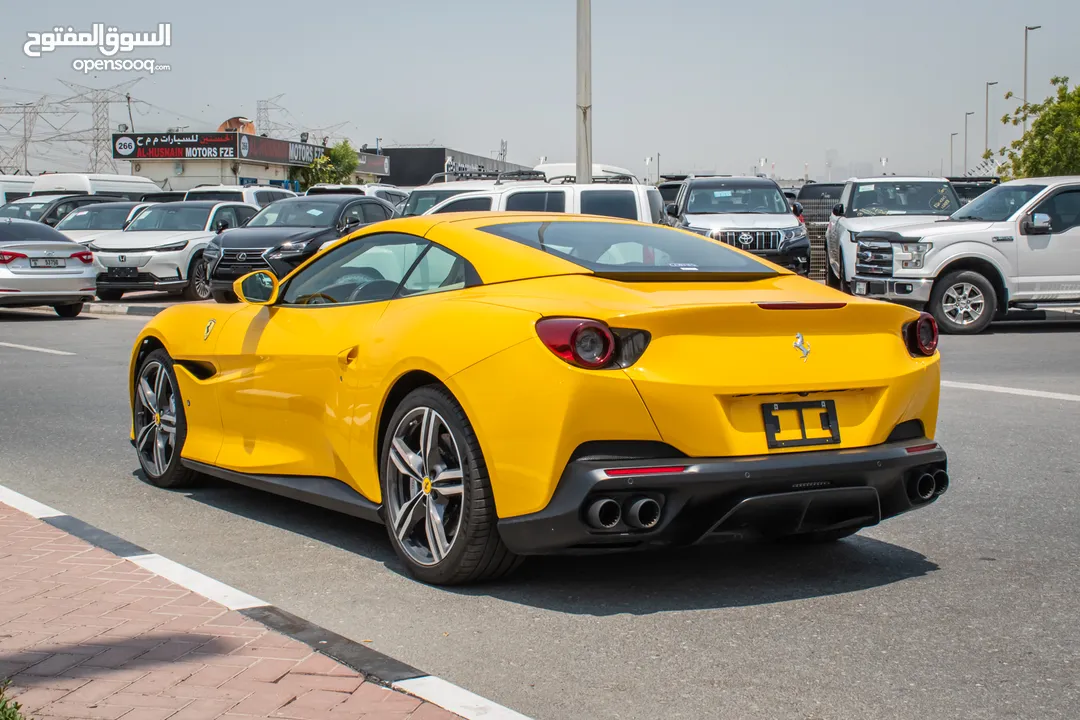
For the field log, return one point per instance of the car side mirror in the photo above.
(796, 209)
(222, 226)
(838, 209)
(350, 223)
(672, 209)
(257, 288)
(50, 221)
(1039, 224)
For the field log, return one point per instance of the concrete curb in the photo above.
(371, 663)
(100, 308)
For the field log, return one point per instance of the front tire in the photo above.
(68, 311)
(963, 303)
(159, 422)
(198, 287)
(437, 500)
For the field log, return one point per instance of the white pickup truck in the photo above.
(1015, 246)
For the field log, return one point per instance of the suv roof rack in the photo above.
(613, 178)
(520, 175)
(992, 179)
(464, 175)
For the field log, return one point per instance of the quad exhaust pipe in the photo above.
(928, 485)
(643, 514)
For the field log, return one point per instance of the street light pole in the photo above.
(966, 116)
(583, 171)
(986, 140)
(1027, 29)
(952, 165)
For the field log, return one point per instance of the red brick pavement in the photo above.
(85, 634)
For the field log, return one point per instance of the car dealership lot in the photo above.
(964, 610)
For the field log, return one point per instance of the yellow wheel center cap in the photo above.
(157, 419)
(427, 486)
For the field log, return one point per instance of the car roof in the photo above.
(121, 203)
(897, 178)
(201, 203)
(47, 198)
(721, 179)
(339, 198)
(1045, 180)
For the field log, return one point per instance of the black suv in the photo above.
(286, 233)
(50, 209)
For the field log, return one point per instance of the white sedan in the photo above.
(39, 266)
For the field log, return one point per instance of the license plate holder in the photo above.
(821, 413)
(48, 262)
(123, 273)
(860, 288)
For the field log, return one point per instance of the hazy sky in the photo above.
(708, 84)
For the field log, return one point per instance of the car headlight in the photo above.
(911, 255)
(171, 247)
(795, 233)
(291, 249)
(853, 236)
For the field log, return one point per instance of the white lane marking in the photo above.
(31, 348)
(27, 505)
(1010, 391)
(198, 583)
(455, 699)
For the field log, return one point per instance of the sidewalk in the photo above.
(85, 634)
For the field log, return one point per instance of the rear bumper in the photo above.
(22, 289)
(730, 498)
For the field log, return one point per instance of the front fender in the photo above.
(940, 257)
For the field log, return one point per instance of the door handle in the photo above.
(348, 356)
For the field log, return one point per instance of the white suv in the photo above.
(879, 203)
(445, 185)
(162, 248)
(258, 195)
(1015, 246)
(630, 201)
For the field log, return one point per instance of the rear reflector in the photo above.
(921, 448)
(664, 470)
(801, 306)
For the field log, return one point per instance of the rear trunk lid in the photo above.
(34, 257)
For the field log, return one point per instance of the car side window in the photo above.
(368, 269)
(438, 270)
(226, 214)
(1063, 209)
(473, 204)
(374, 212)
(61, 210)
(262, 198)
(243, 214)
(611, 203)
(354, 211)
(533, 201)
(656, 205)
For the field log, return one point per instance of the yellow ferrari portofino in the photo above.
(497, 385)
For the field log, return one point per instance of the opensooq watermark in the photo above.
(109, 42)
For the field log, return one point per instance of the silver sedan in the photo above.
(39, 266)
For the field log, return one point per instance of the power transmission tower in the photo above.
(502, 150)
(263, 124)
(100, 135)
(17, 159)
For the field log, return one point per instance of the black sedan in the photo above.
(286, 233)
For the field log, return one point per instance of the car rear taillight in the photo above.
(7, 256)
(85, 256)
(921, 336)
(591, 344)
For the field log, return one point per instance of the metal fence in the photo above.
(816, 213)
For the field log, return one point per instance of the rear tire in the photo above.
(198, 287)
(110, 295)
(449, 487)
(963, 303)
(225, 296)
(68, 311)
(159, 422)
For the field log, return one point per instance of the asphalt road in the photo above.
(968, 609)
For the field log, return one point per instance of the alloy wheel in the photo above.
(963, 303)
(425, 486)
(155, 418)
(200, 279)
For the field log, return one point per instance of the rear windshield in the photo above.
(420, 201)
(29, 209)
(222, 195)
(670, 192)
(14, 231)
(625, 248)
(820, 192)
(95, 218)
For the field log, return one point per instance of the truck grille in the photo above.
(874, 257)
(752, 240)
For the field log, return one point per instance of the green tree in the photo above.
(1051, 145)
(337, 165)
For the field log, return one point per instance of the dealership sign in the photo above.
(282, 152)
(373, 164)
(174, 146)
